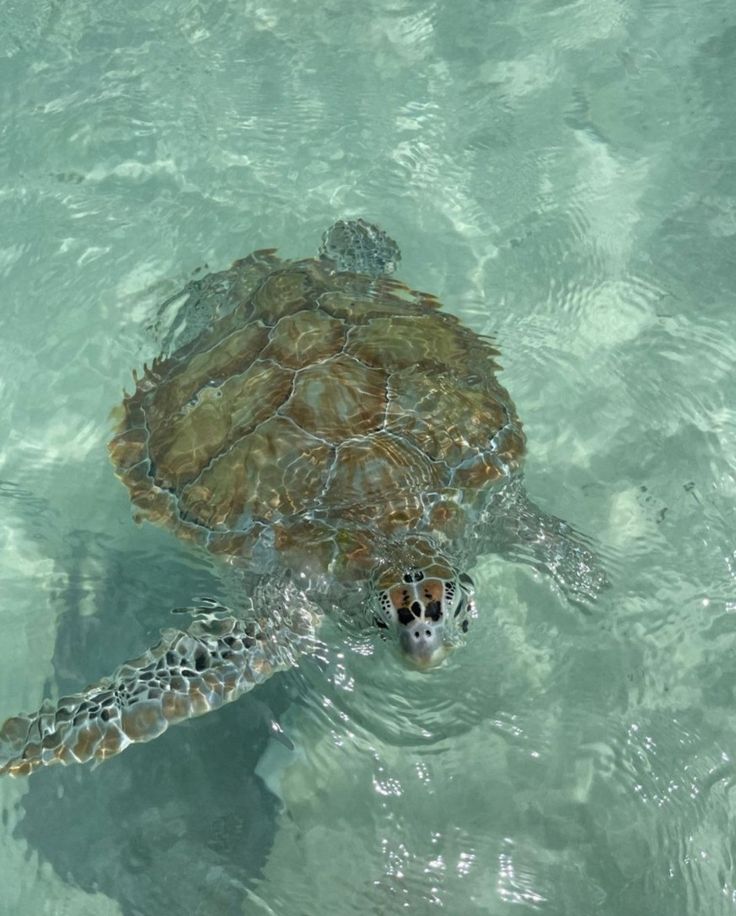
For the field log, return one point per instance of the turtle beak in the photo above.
(423, 641)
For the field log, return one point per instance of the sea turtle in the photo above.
(341, 441)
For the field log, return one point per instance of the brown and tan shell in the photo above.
(326, 416)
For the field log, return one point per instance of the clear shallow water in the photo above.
(561, 175)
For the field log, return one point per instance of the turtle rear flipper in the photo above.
(188, 673)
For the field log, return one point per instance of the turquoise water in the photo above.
(562, 175)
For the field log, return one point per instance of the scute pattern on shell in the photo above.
(325, 414)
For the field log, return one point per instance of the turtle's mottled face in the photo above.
(428, 609)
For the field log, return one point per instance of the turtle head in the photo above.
(427, 610)
(360, 247)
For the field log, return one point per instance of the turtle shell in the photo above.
(325, 416)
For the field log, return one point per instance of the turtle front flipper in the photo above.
(188, 673)
(209, 298)
(522, 531)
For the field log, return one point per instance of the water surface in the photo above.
(562, 175)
